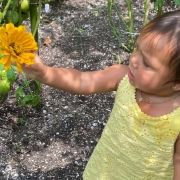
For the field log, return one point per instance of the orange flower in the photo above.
(15, 46)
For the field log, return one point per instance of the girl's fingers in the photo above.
(35, 52)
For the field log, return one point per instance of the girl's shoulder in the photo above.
(119, 70)
(106, 80)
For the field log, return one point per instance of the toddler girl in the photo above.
(141, 139)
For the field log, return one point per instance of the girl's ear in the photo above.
(176, 87)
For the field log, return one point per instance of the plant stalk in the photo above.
(35, 12)
(159, 13)
(131, 23)
(146, 11)
(114, 29)
(3, 98)
(6, 8)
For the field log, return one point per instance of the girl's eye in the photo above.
(144, 62)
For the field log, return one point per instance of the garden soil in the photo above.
(56, 142)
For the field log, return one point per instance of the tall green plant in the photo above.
(35, 12)
(125, 42)
(159, 5)
(128, 24)
(177, 2)
(146, 11)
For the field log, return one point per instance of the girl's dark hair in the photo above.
(168, 25)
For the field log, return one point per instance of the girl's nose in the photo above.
(134, 60)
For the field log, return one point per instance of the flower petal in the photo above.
(15, 44)
(4, 59)
(28, 58)
(3, 35)
(9, 27)
(19, 67)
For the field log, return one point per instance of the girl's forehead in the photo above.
(153, 42)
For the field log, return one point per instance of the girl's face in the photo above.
(148, 66)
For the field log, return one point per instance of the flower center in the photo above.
(17, 47)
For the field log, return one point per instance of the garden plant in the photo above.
(16, 45)
(127, 40)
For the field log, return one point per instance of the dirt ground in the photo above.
(57, 142)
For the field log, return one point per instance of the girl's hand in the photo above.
(36, 71)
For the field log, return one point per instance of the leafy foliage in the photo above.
(16, 11)
(25, 95)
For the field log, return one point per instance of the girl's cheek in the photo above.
(144, 78)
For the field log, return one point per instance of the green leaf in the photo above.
(35, 100)
(11, 75)
(21, 121)
(25, 82)
(24, 100)
(158, 3)
(1, 67)
(29, 99)
(37, 87)
(19, 93)
(3, 75)
(14, 67)
(177, 2)
(1, 56)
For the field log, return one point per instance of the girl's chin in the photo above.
(132, 82)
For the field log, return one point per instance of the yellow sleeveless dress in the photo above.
(133, 145)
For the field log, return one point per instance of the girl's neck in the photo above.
(154, 108)
(154, 99)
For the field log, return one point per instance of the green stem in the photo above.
(146, 11)
(38, 18)
(20, 16)
(35, 17)
(6, 8)
(160, 8)
(35, 20)
(131, 23)
(119, 16)
(13, 8)
(29, 89)
(37, 92)
(130, 15)
(3, 99)
(114, 29)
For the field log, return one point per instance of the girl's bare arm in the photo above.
(177, 159)
(77, 82)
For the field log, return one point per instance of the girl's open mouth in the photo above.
(130, 75)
